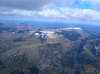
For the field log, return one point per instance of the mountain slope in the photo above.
(49, 51)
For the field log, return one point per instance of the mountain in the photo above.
(25, 49)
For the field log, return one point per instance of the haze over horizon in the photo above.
(70, 11)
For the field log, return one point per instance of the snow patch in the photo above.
(39, 34)
(49, 34)
(96, 47)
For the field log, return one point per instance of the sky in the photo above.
(69, 11)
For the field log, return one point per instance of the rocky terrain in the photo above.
(29, 50)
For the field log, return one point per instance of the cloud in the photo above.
(34, 4)
(52, 9)
(24, 4)
(39, 4)
(65, 13)
(82, 14)
(44, 4)
(70, 13)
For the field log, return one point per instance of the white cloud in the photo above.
(62, 13)
(83, 14)
(50, 13)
